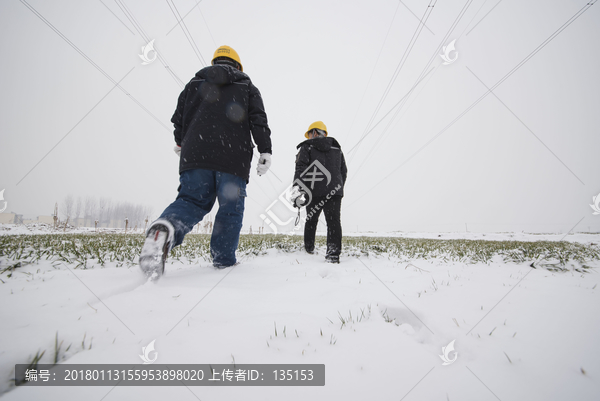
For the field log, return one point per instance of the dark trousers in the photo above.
(332, 208)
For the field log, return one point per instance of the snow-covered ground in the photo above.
(520, 333)
(584, 238)
(41, 228)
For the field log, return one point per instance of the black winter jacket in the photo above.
(321, 167)
(218, 113)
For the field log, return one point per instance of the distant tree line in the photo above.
(107, 212)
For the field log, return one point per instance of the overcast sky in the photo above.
(524, 157)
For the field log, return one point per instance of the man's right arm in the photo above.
(261, 133)
(302, 161)
(177, 118)
(344, 169)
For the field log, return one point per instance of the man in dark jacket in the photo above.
(320, 177)
(219, 114)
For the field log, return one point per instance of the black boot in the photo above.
(155, 250)
(332, 259)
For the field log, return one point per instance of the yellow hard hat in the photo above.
(318, 125)
(226, 51)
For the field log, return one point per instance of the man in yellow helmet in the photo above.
(219, 118)
(320, 177)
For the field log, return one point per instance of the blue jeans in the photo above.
(197, 194)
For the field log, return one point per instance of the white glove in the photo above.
(297, 197)
(264, 162)
(177, 150)
(299, 201)
(295, 192)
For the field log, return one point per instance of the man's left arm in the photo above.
(344, 169)
(302, 161)
(177, 118)
(258, 121)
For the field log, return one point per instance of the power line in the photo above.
(379, 55)
(385, 130)
(111, 11)
(420, 77)
(519, 65)
(483, 17)
(475, 15)
(528, 129)
(140, 30)
(407, 52)
(415, 15)
(78, 50)
(207, 28)
(142, 33)
(432, 58)
(75, 126)
(186, 31)
(132, 19)
(413, 40)
(374, 67)
(386, 114)
(192, 9)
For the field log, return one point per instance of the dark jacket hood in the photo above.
(323, 144)
(222, 74)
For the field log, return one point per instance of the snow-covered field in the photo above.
(377, 322)
(586, 238)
